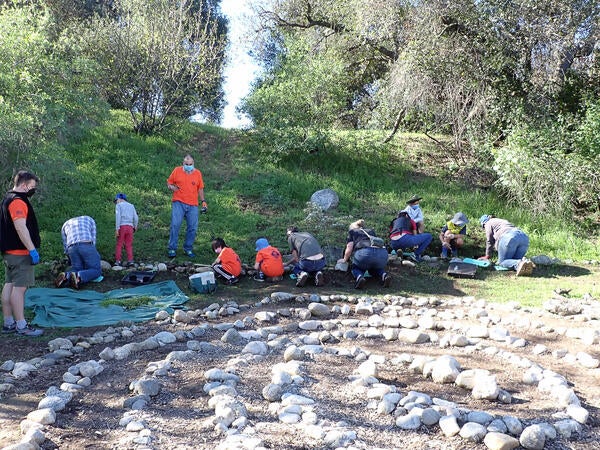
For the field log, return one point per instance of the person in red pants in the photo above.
(126, 220)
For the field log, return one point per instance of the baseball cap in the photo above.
(261, 243)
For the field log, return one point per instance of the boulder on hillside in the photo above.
(325, 199)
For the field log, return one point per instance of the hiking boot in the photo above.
(319, 281)
(28, 330)
(386, 280)
(360, 282)
(10, 328)
(233, 280)
(259, 277)
(190, 253)
(118, 262)
(525, 267)
(75, 280)
(61, 280)
(302, 279)
(171, 253)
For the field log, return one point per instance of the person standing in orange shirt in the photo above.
(188, 191)
(228, 264)
(20, 240)
(269, 262)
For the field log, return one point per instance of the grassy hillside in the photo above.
(253, 191)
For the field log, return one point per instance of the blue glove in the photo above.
(35, 257)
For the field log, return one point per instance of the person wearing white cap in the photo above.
(269, 262)
(453, 234)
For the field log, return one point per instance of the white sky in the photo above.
(241, 70)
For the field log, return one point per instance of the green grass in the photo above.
(129, 303)
(253, 192)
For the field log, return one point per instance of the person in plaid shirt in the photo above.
(79, 241)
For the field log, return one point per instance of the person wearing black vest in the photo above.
(19, 240)
(403, 235)
(366, 255)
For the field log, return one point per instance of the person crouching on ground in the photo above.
(268, 263)
(228, 264)
(79, 241)
(365, 256)
(403, 234)
(453, 234)
(126, 221)
(307, 257)
(511, 243)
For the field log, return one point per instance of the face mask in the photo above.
(30, 192)
(414, 206)
(188, 169)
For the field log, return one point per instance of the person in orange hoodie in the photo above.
(228, 264)
(269, 262)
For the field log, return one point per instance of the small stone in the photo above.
(500, 441)
(473, 432)
(533, 437)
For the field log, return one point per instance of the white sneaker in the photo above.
(302, 278)
(525, 267)
(319, 281)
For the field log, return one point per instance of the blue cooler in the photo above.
(203, 283)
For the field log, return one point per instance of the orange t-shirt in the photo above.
(230, 261)
(18, 210)
(189, 185)
(270, 260)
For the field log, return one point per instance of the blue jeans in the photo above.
(410, 240)
(511, 248)
(85, 261)
(373, 259)
(309, 266)
(179, 211)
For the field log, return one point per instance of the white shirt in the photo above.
(415, 214)
(125, 214)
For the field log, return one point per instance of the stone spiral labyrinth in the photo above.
(322, 372)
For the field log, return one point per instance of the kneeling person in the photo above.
(228, 264)
(268, 263)
(307, 256)
(365, 256)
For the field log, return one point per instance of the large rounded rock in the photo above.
(325, 199)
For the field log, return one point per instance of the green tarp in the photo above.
(71, 308)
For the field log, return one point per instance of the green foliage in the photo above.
(130, 302)
(46, 93)
(158, 59)
(300, 99)
(250, 197)
(551, 168)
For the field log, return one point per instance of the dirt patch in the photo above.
(180, 416)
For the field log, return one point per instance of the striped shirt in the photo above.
(78, 229)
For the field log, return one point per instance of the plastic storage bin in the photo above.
(203, 283)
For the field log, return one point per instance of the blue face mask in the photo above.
(188, 169)
(414, 206)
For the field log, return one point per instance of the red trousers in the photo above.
(125, 237)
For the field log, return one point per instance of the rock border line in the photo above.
(79, 376)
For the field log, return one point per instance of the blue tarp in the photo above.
(71, 308)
